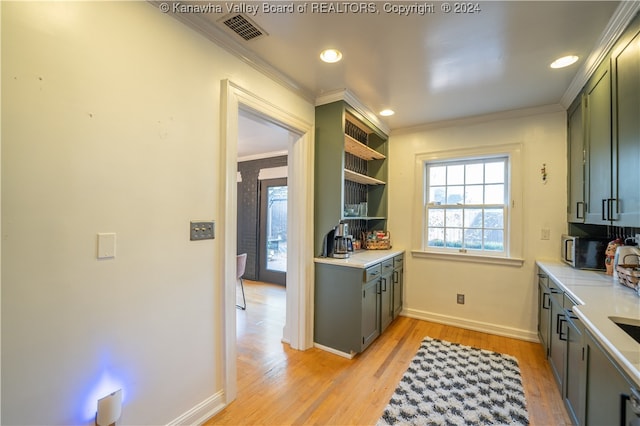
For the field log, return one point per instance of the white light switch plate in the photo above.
(106, 245)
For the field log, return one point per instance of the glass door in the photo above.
(273, 231)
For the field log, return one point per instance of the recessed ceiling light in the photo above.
(565, 61)
(387, 112)
(331, 55)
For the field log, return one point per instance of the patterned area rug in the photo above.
(452, 384)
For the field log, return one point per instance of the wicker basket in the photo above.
(629, 275)
(378, 243)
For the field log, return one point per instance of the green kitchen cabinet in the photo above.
(544, 312)
(574, 392)
(597, 97)
(606, 116)
(386, 294)
(607, 388)
(557, 340)
(625, 74)
(576, 156)
(347, 307)
(351, 172)
(397, 283)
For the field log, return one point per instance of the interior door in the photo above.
(272, 253)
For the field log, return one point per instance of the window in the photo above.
(471, 205)
(467, 204)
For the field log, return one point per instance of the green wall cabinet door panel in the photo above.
(575, 154)
(626, 129)
(598, 146)
(607, 388)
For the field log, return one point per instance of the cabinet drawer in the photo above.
(387, 266)
(398, 262)
(372, 272)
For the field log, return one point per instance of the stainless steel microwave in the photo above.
(584, 252)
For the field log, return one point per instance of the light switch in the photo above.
(106, 245)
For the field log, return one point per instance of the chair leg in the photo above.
(244, 301)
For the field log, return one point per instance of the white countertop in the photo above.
(361, 258)
(601, 297)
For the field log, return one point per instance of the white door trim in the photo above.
(298, 330)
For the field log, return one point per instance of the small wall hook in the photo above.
(543, 172)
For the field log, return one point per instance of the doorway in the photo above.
(298, 330)
(272, 252)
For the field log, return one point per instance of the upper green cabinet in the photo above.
(625, 66)
(350, 172)
(598, 146)
(604, 140)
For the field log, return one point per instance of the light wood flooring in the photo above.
(281, 386)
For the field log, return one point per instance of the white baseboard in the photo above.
(201, 412)
(334, 351)
(484, 327)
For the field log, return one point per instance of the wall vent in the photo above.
(243, 26)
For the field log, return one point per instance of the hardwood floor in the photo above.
(278, 385)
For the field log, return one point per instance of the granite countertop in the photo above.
(361, 258)
(601, 296)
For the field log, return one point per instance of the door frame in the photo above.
(298, 329)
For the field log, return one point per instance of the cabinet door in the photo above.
(544, 313)
(386, 295)
(398, 277)
(626, 131)
(558, 339)
(575, 177)
(598, 149)
(574, 394)
(607, 389)
(370, 312)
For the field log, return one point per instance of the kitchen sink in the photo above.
(628, 325)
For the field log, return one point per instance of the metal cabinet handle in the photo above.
(578, 205)
(396, 275)
(385, 284)
(604, 209)
(561, 334)
(546, 301)
(623, 409)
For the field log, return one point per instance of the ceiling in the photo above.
(429, 67)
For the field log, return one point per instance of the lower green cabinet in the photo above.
(353, 306)
(607, 388)
(575, 373)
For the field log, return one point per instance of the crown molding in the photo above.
(618, 23)
(355, 103)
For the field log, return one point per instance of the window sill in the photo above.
(466, 257)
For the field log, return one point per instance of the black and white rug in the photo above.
(452, 384)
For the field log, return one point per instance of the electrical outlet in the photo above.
(545, 234)
(202, 230)
(460, 299)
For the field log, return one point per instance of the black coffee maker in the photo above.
(337, 243)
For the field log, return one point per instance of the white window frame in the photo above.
(514, 230)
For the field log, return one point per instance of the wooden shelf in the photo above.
(360, 150)
(359, 178)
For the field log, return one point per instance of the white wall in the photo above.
(499, 299)
(111, 123)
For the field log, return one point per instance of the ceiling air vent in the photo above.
(243, 26)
